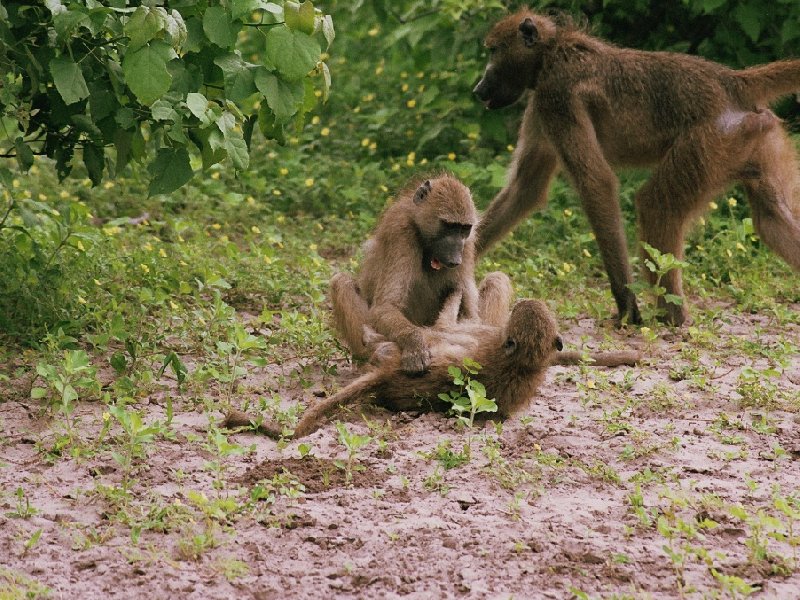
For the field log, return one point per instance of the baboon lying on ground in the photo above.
(594, 106)
(421, 252)
(514, 359)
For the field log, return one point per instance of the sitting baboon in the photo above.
(594, 106)
(421, 252)
(514, 358)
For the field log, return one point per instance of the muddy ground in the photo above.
(648, 482)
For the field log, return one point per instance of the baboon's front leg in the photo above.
(534, 164)
(597, 187)
(350, 312)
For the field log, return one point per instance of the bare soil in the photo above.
(545, 507)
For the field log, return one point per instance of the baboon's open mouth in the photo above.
(436, 264)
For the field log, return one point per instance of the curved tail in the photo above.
(765, 83)
(614, 358)
(360, 391)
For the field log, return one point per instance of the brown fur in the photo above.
(594, 107)
(514, 358)
(402, 287)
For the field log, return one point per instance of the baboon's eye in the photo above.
(491, 50)
(509, 346)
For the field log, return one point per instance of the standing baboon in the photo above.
(594, 106)
(421, 252)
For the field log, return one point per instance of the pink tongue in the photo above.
(435, 264)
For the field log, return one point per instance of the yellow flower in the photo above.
(283, 171)
(215, 175)
(411, 103)
(713, 205)
(702, 221)
(267, 260)
(42, 197)
(309, 182)
(281, 219)
(97, 282)
(214, 226)
(144, 268)
(451, 156)
(180, 238)
(183, 263)
(162, 253)
(373, 32)
(383, 188)
(251, 200)
(731, 202)
(567, 212)
(591, 385)
(318, 93)
(312, 247)
(106, 416)
(173, 305)
(396, 167)
(365, 142)
(510, 147)
(276, 192)
(255, 229)
(15, 183)
(739, 246)
(424, 161)
(223, 238)
(403, 75)
(373, 146)
(379, 70)
(315, 120)
(148, 246)
(63, 194)
(420, 74)
(81, 300)
(421, 88)
(319, 226)
(325, 132)
(473, 135)
(586, 253)
(108, 185)
(404, 87)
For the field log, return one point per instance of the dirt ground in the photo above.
(648, 482)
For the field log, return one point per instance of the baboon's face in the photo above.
(445, 219)
(513, 46)
(532, 333)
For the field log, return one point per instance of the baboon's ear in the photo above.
(529, 34)
(558, 343)
(422, 192)
(509, 346)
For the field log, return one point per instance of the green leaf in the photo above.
(270, 128)
(749, 18)
(283, 97)
(299, 16)
(24, 154)
(327, 29)
(146, 71)
(238, 77)
(143, 25)
(218, 27)
(38, 393)
(68, 79)
(234, 141)
(292, 53)
(93, 158)
(169, 170)
(65, 23)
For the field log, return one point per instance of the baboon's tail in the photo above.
(360, 391)
(614, 358)
(765, 83)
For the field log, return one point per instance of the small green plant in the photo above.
(24, 509)
(135, 440)
(352, 442)
(470, 397)
(658, 263)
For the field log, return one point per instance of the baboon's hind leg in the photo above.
(496, 294)
(349, 313)
(774, 196)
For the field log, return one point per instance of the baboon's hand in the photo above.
(416, 356)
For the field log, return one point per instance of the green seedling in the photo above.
(470, 398)
(352, 443)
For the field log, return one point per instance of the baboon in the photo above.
(421, 252)
(593, 106)
(451, 342)
(514, 358)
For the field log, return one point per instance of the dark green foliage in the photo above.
(78, 75)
